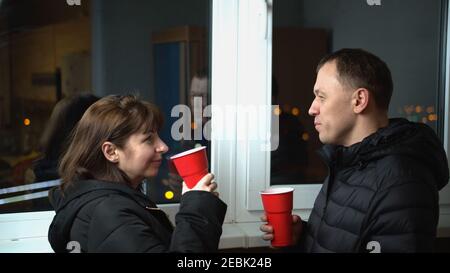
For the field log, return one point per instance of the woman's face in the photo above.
(141, 156)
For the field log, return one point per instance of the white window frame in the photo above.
(444, 194)
(245, 170)
(241, 75)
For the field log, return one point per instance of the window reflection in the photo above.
(306, 30)
(181, 77)
(51, 52)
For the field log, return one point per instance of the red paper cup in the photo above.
(191, 165)
(277, 204)
(171, 166)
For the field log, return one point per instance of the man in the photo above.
(381, 193)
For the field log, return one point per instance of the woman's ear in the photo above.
(110, 152)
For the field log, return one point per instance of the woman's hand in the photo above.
(205, 184)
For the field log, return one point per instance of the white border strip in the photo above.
(33, 186)
(444, 194)
(447, 85)
(25, 197)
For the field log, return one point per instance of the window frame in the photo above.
(241, 167)
(246, 178)
(444, 194)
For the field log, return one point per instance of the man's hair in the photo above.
(358, 68)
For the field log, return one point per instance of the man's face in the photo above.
(332, 107)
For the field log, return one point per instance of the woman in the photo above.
(65, 116)
(99, 206)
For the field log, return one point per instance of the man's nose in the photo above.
(313, 110)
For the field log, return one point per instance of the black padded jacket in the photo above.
(110, 217)
(380, 194)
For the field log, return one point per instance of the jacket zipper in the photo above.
(331, 170)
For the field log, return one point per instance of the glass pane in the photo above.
(403, 33)
(53, 50)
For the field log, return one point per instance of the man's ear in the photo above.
(360, 100)
(110, 152)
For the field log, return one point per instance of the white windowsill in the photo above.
(234, 236)
(27, 232)
(242, 235)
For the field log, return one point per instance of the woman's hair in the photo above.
(65, 116)
(114, 119)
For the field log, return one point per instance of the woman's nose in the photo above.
(162, 147)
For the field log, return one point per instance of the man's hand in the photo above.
(297, 228)
(205, 184)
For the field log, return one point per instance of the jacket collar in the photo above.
(370, 148)
(59, 200)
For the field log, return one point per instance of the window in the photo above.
(304, 31)
(51, 52)
(411, 46)
(43, 59)
(283, 50)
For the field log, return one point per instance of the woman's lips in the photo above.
(157, 162)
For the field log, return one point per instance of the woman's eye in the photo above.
(149, 139)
